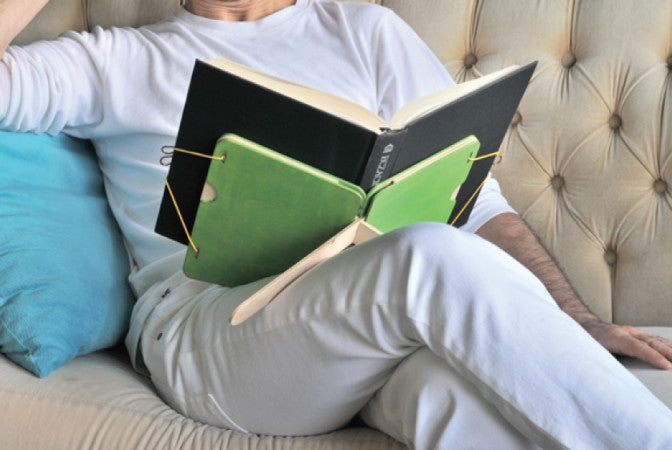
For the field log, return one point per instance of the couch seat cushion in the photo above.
(98, 401)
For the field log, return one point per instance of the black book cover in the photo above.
(218, 103)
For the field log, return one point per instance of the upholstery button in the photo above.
(557, 182)
(517, 118)
(470, 60)
(615, 122)
(660, 186)
(610, 257)
(669, 62)
(568, 60)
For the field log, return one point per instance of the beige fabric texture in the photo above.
(98, 402)
(587, 162)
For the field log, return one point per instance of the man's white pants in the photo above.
(439, 339)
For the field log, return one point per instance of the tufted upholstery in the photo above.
(588, 160)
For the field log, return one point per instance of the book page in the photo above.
(428, 103)
(325, 101)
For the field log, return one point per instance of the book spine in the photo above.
(383, 155)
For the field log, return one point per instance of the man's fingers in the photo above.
(662, 346)
(654, 350)
(630, 341)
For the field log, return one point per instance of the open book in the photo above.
(330, 133)
(263, 211)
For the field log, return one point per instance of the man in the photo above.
(436, 335)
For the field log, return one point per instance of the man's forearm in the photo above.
(509, 232)
(14, 16)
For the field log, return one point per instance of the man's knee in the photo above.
(427, 234)
(434, 241)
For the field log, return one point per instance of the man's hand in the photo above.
(630, 341)
(509, 232)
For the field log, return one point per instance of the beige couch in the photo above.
(587, 163)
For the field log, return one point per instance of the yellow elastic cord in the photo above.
(168, 150)
(473, 196)
(478, 158)
(179, 214)
(165, 148)
(478, 189)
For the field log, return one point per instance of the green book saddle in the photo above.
(262, 211)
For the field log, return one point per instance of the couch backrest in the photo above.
(587, 160)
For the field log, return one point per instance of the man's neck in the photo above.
(236, 10)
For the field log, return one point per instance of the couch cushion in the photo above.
(100, 402)
(658, 381)
(63, 267)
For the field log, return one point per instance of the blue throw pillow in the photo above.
(63, 267)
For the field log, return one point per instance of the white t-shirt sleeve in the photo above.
(49, 85)
(489, 203)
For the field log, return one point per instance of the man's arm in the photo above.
(509, 232)
(14, 16)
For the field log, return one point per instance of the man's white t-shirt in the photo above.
(125, 88)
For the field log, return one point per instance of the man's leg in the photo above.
(319, 352)
(426, 405)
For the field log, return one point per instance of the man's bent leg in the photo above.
(318, 353)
